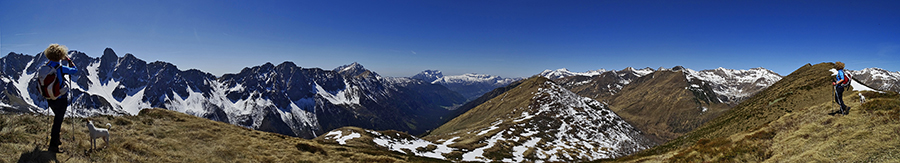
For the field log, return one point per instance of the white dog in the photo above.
(862, 99)
(98, 133)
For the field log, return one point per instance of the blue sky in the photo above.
(506, 38)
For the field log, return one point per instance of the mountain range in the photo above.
(666, 102)
(469, 85)
(283, 98)
(556, 115)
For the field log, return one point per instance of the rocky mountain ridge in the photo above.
(283, 98)
(537, 120)
(878, 78)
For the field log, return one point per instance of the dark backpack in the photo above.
(50, 85)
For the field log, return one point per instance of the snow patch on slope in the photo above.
(22, 84)
(341, 139)
(340, 97)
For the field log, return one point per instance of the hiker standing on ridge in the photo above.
(54, 87)
(842, 80)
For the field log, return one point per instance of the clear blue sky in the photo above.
(507, 38)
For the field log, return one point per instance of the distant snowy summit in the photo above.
(878, 78)
(731, 85)
(470, 85)
(428, 75)
(735, 85)
(563, 72)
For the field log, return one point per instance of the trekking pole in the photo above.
(73, 109)
(834, 96)
(49, 119)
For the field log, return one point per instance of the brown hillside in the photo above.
(482, 115)
(807, 86)
(664, 105)
(158, 135)
(868, 134)
(600, 87)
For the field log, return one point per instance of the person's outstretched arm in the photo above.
(71, 69)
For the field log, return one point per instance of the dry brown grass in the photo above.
(867, 134)
(661, 107)
(870, 133)
(789, 122)
(157, 135)
(501, 107)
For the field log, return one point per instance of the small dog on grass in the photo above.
(862, 99)
(98, 133)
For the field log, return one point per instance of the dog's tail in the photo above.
(108, 125)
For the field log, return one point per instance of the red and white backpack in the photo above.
(50, 85)
(847, 80)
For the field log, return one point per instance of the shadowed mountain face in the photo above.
(283, 98)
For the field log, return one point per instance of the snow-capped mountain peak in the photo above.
(429, 75)
(735, 85)
(355, 69)
(470, 85)
(564, 72)
(284, 99)
(878, 78)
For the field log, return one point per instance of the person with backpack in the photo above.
(54, 86)
(842, 81)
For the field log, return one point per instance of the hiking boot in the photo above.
(846, 111)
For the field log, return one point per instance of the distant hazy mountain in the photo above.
(563, 72)
(469, 85)
(281, 98)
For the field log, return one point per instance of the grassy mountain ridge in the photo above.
(478, 101)
(480, 118)
(788, 122)
(664, 104)
(158, 135)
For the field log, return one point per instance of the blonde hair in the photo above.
(839, 65)
(56, 52)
